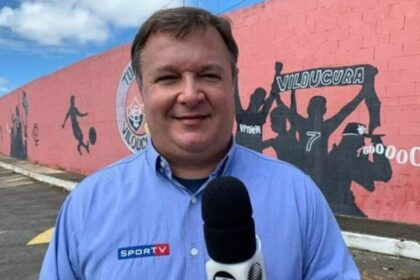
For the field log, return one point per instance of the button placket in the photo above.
(194, 252)
(194, 200)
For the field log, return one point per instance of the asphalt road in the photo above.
(29, 208)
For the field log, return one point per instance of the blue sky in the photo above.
(38, 37)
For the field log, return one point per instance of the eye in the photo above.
(212, 77)
(165, 79)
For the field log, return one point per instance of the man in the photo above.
(285, 144)
(346, 164)
(314, 131)
(250, 121)
(140, 218)
(74, 113)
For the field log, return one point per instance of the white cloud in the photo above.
(57, 22)
(3, 86)
(127, 13)
(52, 24)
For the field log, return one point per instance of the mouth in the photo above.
(191, 119)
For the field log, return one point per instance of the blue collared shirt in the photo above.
(132, 220)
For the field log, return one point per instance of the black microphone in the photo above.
(229, 232)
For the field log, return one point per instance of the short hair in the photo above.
(179, 22)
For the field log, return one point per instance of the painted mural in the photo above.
(342, 104)
(74, 114)
(18, 128)
(130, 117)
(304, 141)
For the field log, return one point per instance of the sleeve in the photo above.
(61, 259)
(326, 254)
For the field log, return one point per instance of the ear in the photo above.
(235, 79)
(141, 92)
(140, 87)
(235, 75)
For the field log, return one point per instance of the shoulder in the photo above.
(100, 190)
(268, 174)
(245, 158)
(108, 178)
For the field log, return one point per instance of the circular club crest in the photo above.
(131, 120)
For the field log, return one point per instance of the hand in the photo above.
(278, 67)
(377, 139)
(370, 71)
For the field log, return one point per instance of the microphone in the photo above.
(229, 232)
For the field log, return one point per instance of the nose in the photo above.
(191, 93)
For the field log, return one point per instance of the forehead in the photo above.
(200, 44)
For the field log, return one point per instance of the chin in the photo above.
(195, 147)
(199, 143)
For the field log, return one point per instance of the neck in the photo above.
(196, 165)
(191, 171)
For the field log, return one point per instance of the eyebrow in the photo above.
(206, 67)
(212, 66)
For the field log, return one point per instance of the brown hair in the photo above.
(179, 22)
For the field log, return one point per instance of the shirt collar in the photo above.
(161, 165)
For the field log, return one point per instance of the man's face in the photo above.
(188, 94)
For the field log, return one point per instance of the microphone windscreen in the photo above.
(229, 229)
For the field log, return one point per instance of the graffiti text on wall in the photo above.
(391, 152)
(322, 77)
(35, 134)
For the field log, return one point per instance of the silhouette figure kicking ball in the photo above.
(74, 113)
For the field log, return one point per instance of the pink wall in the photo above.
(327, 33)
(93, 82)
(302, 35)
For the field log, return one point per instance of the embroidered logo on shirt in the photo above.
(155, 250)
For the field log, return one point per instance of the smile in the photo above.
(191, 117)
(191, 120)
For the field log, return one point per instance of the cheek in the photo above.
(156, 107)
(227, 103)
(149, 110)
(226, 114)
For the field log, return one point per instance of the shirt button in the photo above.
(194, 200)
(194, 252)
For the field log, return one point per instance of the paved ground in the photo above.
(380, 267)
(28, 208)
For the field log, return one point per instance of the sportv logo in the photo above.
(155, 250)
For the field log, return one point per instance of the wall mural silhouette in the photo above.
(304, 142)
(18, 128)
(74, 113)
